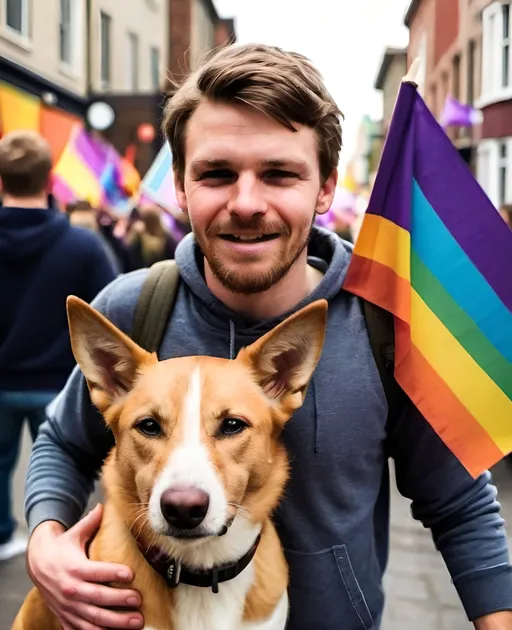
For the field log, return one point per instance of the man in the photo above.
(255, 138)
(42, 261)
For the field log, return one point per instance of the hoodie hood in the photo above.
(326, 251)
(26, 233)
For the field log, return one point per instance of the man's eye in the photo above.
(277, 174)
(217, 174)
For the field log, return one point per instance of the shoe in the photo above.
(13, 547)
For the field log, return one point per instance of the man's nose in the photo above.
(247, 197)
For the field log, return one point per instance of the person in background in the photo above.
(82, 214)
(148, 239)
(43, 259)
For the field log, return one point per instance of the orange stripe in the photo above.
(379, 284)
(454, 424)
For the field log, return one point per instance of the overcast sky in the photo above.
(345, 39)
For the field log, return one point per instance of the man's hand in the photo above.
(497, 621)
(68, 580)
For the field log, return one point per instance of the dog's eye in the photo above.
(232, 426)
(149, 427)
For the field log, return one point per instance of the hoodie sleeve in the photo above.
(463, 514)
(73, 442)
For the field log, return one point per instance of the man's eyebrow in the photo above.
(285, 163)
(220, 163)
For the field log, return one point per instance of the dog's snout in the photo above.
(184, 507)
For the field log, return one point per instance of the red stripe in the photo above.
(379, 284)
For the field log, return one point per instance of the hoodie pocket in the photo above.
(325, 593)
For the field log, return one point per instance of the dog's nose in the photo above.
(184, 507)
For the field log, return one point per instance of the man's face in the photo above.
(251, 189)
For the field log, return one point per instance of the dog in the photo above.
(196, 471)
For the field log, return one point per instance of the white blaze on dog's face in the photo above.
(197, 438)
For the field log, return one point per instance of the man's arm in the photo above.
(463, 515)
(73, 442)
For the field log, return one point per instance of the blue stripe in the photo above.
(162, 168)
(450, 264)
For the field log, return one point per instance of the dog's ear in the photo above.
(285, 358)
(109, 359)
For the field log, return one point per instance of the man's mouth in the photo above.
(248, 238)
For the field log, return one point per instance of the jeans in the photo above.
(15, 408)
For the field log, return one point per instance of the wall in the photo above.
(146, 18)
(40, 51)
(203, 31)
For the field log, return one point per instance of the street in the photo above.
(418, 589)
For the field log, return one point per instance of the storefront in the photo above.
(28, 101)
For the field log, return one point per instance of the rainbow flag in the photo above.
(434, 251)
(92, 169)
(158, 183)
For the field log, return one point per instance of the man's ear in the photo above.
(284, 359)
(326, 193)
(179, 188)
(109, 360)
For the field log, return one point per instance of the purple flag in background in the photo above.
(459, 114)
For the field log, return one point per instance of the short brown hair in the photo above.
(25, 163)
(283, 85)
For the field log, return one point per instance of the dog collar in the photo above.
(175, 573)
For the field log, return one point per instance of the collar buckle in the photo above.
(173, 573)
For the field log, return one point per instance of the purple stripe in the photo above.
(461, 204)
(91, 152)
(392, 192)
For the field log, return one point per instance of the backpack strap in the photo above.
(381, 333)
(156, 301)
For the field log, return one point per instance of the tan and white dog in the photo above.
(196, 471)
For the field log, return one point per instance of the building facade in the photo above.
(43, 76)
(495, 101)
(446, 35)
(392, 69)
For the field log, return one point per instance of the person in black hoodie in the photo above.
(43, 259)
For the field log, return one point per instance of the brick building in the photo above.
(467, 52)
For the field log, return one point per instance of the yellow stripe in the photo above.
(488, 404)
(18, 109)
(385, 242)
(78, 177)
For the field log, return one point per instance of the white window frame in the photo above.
(493, 43)
(489, 164)
(24, 34)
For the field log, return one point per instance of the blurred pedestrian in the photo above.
(149, 240)
(42, 260)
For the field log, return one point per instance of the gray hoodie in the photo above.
(333, 520)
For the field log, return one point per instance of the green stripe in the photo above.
(461, 326)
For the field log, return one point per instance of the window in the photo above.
(65, 34)
(17, 16)
(502, 173)
(505, 45)
(155, 68)
(494, 169)
(456, 77)
(496, 53)
(471, 72)
(132, 59)
(105, 27)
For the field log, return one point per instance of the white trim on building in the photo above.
(494, 169)
(496, 53)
